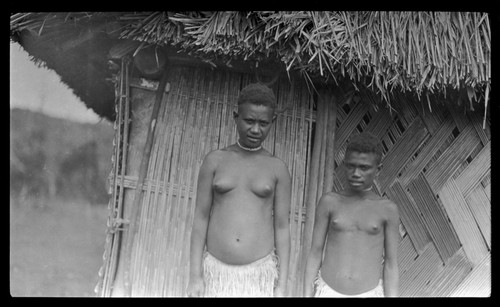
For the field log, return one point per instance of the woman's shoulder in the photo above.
(214, 157)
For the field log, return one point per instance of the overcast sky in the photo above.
(40, 89)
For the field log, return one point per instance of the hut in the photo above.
(418, 80)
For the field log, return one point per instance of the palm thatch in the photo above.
(427, 53)
(76, 51)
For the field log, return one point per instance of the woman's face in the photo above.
(253, 123)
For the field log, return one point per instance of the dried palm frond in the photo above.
(422, 52)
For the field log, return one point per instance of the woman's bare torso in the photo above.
(240, 229)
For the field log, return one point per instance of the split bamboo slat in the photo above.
(451, 275)
(407, 107)
(478, 202)
(456, 153)
(183, 131)
(477, 283)
(130, 182)
(406, 254)
(401, 152)
(410, 216)
(460, 121)
(435, 119)
(483, 131)
(348, 126)
(486, 183)
(436, 168)
(463, 221)
(414, 279)
(435, 219)
(163, 262)
(475, 171)
(157, 214)
(415, 167)
(379, 123)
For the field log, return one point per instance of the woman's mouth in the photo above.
(253, 139)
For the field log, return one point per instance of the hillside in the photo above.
(57, 157)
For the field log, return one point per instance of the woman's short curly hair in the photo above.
(257, 94)
(366, 142)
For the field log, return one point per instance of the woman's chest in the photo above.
(258, 179)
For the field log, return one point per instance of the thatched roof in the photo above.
(427, 53)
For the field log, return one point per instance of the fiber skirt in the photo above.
(324, 290)
(256, 279)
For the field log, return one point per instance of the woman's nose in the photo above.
(255, 128)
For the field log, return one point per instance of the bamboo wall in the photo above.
(436, 168)
(195, 117)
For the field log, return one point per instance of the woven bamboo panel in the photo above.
(401, 152)
(435, 219)
(415, 277)
(463, 221)
(478, 202)
(475, 171)
(406, 253)
(478, 281)
(410, 216)
(436, 167)
(450, 276)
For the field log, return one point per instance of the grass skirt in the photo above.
(256, 279)
(324, 290)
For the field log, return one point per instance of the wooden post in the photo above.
(118, 162)
(311, 193)
(320, 172)
(331, 99)
(142, 175)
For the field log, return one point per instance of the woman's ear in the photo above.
(235, 115)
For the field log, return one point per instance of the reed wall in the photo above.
(436, 168)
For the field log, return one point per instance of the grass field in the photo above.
(56, 248)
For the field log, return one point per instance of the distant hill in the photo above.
(57, 157)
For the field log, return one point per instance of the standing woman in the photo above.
(240, 242)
